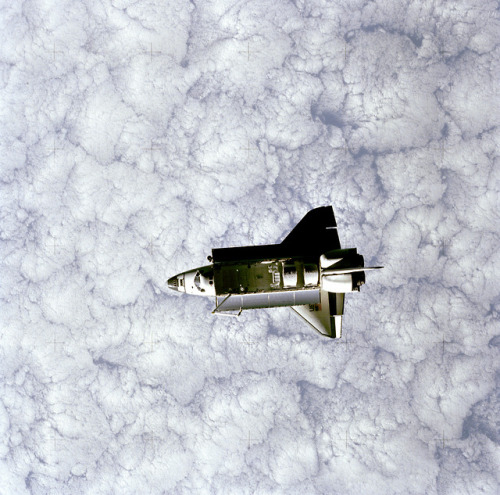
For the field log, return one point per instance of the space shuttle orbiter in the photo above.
(308, 271)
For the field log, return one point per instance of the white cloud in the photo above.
(137, 136)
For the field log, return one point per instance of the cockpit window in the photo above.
(197, 282)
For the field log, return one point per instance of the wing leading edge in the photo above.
(325, 317)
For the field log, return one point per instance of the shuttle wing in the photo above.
(314, 235)
(318, 228)
(325, 317)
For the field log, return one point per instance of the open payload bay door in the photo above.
(326, 316)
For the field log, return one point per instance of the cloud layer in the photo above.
(137, 136)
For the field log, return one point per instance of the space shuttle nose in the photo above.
(173, 283)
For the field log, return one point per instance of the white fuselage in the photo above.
(269, 276)
(198, 282)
